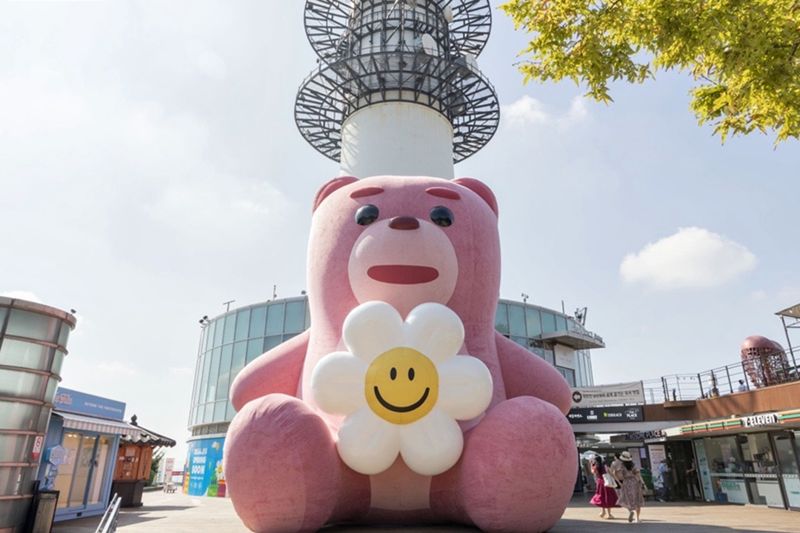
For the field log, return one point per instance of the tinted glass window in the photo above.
(239, 356)
(34, 326)
(219, 326)
(208, 341)
(271, 342)
(242, 324)
(295, 317)
(548, 322)
(25, 354)
(230, 411)
(561, 323)
(501, 319)
(522, 341)
(219, 410)
(254, 349)
(213, 374)
(275, 319)
(63, 337)
(516, 320)
(201, 397)
(568, 374)
(258, 320)
(230, 327)
(533, 322)
(224, 371)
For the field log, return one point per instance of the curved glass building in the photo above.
(33, 344)
(231, 340)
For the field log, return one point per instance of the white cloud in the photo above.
(22, 295)
(691, 258)
(528, 111)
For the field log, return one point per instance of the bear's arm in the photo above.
(276, 371)
(526, 374)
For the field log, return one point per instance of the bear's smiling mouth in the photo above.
(402, 274)
(404, 409)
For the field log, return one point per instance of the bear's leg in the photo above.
(519, 466)
(282, 469)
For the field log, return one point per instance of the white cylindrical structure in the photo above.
(397, 138)
(397, 90)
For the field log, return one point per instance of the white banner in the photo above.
(607, 395)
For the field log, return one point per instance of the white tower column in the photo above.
(398, 90)
(397, 138)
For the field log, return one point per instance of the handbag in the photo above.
(609, 480)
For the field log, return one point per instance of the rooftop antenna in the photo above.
(274, 291)
(228, 305)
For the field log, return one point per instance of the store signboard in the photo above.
(607, 395)
(656, 435)
(71, 401)
(764, 419)
(206, 477)
(632, 413)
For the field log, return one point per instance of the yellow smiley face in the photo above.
(401, 386)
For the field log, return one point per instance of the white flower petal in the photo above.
(465, 387)
(435, 330)
(432, 445)
(337, 383)
(368, 444)
(371, 329)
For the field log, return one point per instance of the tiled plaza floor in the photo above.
(179, 513)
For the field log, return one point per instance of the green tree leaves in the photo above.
(743, 53)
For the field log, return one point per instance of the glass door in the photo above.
(71, 442)
(101, 461)
(84, 464)
(762, 470)
(787, 461)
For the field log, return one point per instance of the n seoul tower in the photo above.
(397, 90)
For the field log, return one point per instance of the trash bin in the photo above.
(43, 511)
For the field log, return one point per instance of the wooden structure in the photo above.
(134, 459)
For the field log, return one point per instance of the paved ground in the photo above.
(178, 513)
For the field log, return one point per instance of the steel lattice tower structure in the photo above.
(397, 90)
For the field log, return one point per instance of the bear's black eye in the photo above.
(441, 216)
(366, 215)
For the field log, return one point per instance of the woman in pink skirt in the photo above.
(604, 497)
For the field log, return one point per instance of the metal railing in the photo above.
(108, 524)
(742, 376)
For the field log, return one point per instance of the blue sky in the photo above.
(150, 170)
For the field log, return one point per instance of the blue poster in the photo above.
(206, 477)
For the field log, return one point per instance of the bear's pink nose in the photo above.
(404, 223)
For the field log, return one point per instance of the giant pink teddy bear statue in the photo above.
(380, 238)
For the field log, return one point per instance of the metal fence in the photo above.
(743, 376)
(108, 524)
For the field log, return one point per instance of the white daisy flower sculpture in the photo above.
(401, 388)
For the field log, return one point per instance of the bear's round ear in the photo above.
(328, 188)
(481, 189)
